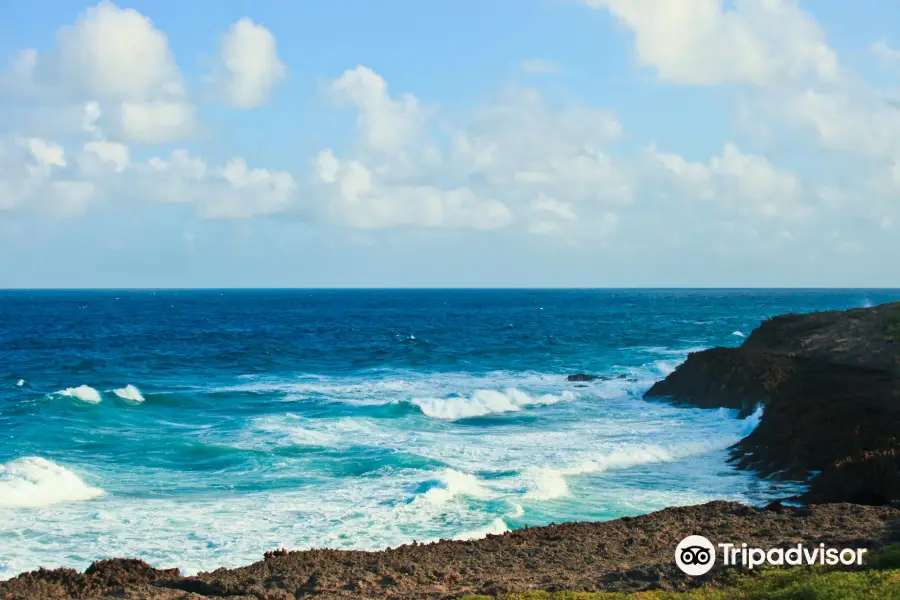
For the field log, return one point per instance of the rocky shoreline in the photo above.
(829, 383)
(627, 554)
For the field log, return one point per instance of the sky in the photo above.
(472, 143)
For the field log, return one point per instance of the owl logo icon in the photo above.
(695, 555)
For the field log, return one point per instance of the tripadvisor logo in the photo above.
(696, 555)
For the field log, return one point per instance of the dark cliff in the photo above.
(830, 384)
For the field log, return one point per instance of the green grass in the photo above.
(880, 581)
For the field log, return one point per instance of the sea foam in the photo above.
(454, 483)
(33, 482)
(130, 393)
(85, 393)
(550, 483)
(495, 527)
(484, 402)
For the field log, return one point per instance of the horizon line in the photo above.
(448, 288)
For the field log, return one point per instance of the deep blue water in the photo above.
(200, 428)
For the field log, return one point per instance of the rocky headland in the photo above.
(830, 386)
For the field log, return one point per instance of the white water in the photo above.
(602, 453)
(34, 482)
(130, 393)
(83, 393)
(485, 402)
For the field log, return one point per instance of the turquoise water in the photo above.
(197, 429)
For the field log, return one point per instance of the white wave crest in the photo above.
(130, 393)
(20, 383)
(453, 483)
(752, 421)
(496, 527)
(484, 402)
(739, 334)
(549, 483)
(33, 482)
(85, 393)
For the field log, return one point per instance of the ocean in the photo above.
(198, 429)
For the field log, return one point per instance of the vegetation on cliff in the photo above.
(881, 581)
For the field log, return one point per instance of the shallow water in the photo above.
(199, 429)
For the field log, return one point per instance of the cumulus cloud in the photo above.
(250, 67)
(387, 124)
(39, 176)
(359, 199)
(509, 162)
(702, 42)
(116, 60)
(36, 176)
(517, 161)
(229, 191)
(798, 97)
(154, 123)
(113, 53)
(743, 184)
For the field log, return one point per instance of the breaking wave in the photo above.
(130, 393)
(452, 484)
(484, 402)
(85, 393)
(550, 483)
(496, 527)
(34, 482)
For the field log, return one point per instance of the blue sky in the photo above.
(526, 143)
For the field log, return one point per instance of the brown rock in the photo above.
(566, 556)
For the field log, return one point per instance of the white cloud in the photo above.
(846, 120)
(40, 176)
(500, 159)
(356, 198)
(36, 176)
(230, 191)
(739, 183)
(539, 66)
(102, 154)
(116, 64)
(523, 146)
(155, 122)
(701, 42)
(882, 50)
(114, 53)
(250, 67)
(387, 124)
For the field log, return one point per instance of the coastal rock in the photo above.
(581, 377)
(586, 377)
(830, 385)
(623, 555)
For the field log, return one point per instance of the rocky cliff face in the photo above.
(830, 384)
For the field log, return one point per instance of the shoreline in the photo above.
(623, 555)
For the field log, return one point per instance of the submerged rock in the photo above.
(830, 385)
(586, 377)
